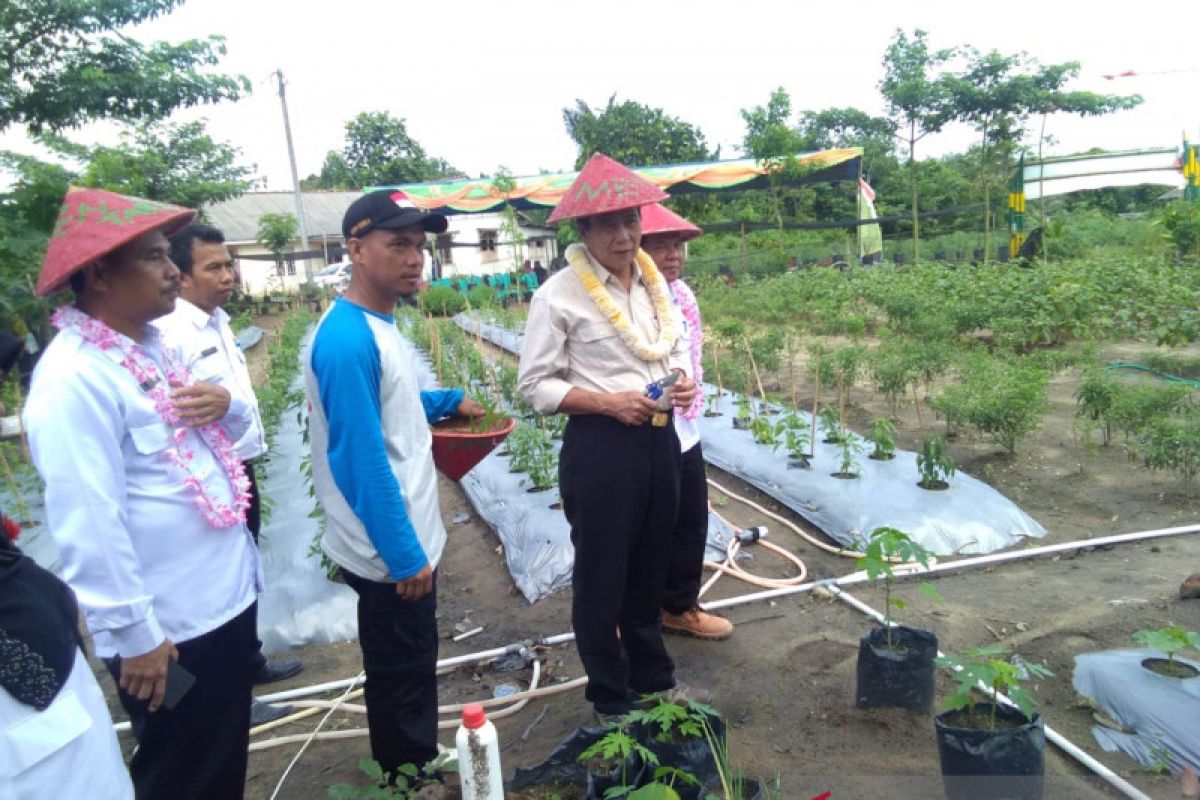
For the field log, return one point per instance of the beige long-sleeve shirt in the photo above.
(569, 343)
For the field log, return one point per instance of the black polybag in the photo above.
(902, 678)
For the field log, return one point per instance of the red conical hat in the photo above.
(602, 186)
(94, 222)
(657, 218)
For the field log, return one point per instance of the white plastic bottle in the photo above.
(479, 756)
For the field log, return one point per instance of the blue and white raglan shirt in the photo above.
(372, 455)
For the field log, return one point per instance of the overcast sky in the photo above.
(482, 84)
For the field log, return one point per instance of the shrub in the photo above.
(443, 301)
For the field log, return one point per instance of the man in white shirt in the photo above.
(146, 497)
(199, 330)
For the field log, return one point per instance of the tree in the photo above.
(275, 233)
(918, 95)
(174, 163)
(379, 152)
(64, 63)
(633, 134)
(997, 93)
(772, 142)
(850, 127)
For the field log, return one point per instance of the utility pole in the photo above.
(287, 130)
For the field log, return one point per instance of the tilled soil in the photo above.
(785, 680)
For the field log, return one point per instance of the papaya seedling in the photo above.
(886, 547)
(988, 666)
(1171, 640)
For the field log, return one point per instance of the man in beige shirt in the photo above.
(598, 334)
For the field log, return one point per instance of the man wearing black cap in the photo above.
(373, 471)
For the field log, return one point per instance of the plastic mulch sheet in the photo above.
(1159, 714)
(969, 518)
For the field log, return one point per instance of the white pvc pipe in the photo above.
(962, 563)
(847, 580)
(1110, 777)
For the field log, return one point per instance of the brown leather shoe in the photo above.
(698, 623)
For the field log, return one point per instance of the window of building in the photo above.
(445, 246)
(487, 245)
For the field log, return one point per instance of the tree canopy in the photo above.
(174, 163)
(634, 134)
(65, 63)
(378, 152)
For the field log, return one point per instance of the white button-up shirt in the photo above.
(142, 559)
(210, 350)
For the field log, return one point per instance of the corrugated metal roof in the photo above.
(238, 218)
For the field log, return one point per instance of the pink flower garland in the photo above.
(145, 372)
(691, 313)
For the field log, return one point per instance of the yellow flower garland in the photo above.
(578, 259)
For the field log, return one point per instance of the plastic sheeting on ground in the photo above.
(249, 336)
(969, 518)
(536, 537)
(1162, 712)
(300, 605)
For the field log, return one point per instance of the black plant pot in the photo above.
(897, 678)
(1003, 764)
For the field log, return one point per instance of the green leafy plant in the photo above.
(764, 432)
(986, 665)
(670, 721)
(883, 436)
(1172, 639)
(614, 749)
(886, 547)
(851, 447)
(407, 780)
(796, 437)
(744, 410)
(831, 425)
(934, 464)
(443, 301)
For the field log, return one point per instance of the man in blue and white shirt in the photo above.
(373, 471)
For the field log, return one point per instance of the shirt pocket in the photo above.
(150, 438)
(36, 738)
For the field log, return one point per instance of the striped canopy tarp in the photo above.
(544, 191)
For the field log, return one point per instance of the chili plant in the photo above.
(851, 447)
(831, 425)
(935, 465)
(886, 546)
(883, 436)
(985, 665)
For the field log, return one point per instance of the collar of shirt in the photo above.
(198, 316)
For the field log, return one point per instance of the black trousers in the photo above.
(254, 523)
(620, 490)
(691, 532)
(197, 750)
(399, 646)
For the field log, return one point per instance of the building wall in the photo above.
(477, 229)
(262, 277)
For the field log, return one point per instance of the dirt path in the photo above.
(785, 680)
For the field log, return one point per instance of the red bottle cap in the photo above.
(473, 716)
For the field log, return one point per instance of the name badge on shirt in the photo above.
(206, 353)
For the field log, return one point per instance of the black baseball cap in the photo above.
(388, 209)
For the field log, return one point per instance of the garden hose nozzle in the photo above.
(751, 535)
